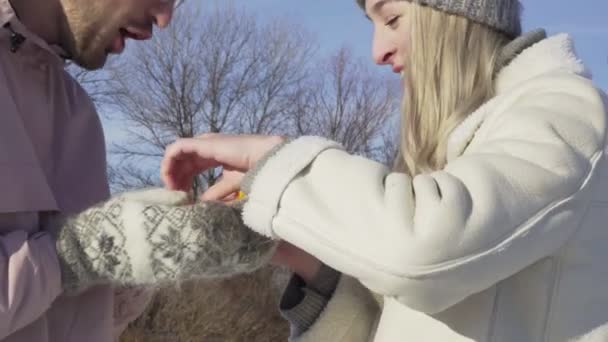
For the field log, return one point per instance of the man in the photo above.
(52, 159)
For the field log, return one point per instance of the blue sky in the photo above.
(340, 22)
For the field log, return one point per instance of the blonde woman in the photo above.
(493, 224)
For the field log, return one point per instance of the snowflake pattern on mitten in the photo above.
(126, 242)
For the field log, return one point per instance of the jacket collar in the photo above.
(556, 53)
(9, 17)
(527, 57)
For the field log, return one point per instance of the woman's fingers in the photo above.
(194, 151)
(183, 160)
(188, 157)
(221, 190)
(194, 155)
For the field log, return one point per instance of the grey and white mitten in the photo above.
(155, 237)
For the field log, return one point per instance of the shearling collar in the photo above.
(534, 59)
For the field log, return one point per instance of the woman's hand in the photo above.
(186, 158)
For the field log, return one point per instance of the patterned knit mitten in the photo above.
(154, 237)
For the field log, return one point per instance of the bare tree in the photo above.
(97, 83)
(347, 102)
(124, 177)
(220, 71)
(387, 149)
(284, 59)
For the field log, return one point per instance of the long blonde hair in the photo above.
(450, 73)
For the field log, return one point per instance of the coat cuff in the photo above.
(266, 182)
(350, 315)
(302, 316)
(302, 303)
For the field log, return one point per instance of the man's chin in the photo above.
(91, 62)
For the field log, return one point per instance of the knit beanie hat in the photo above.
(501, 15)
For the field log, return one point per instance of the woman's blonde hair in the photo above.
(449, 73)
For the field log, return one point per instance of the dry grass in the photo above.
(239, 309)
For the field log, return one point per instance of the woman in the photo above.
(492, 225)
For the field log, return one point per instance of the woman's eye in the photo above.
(393, 22)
